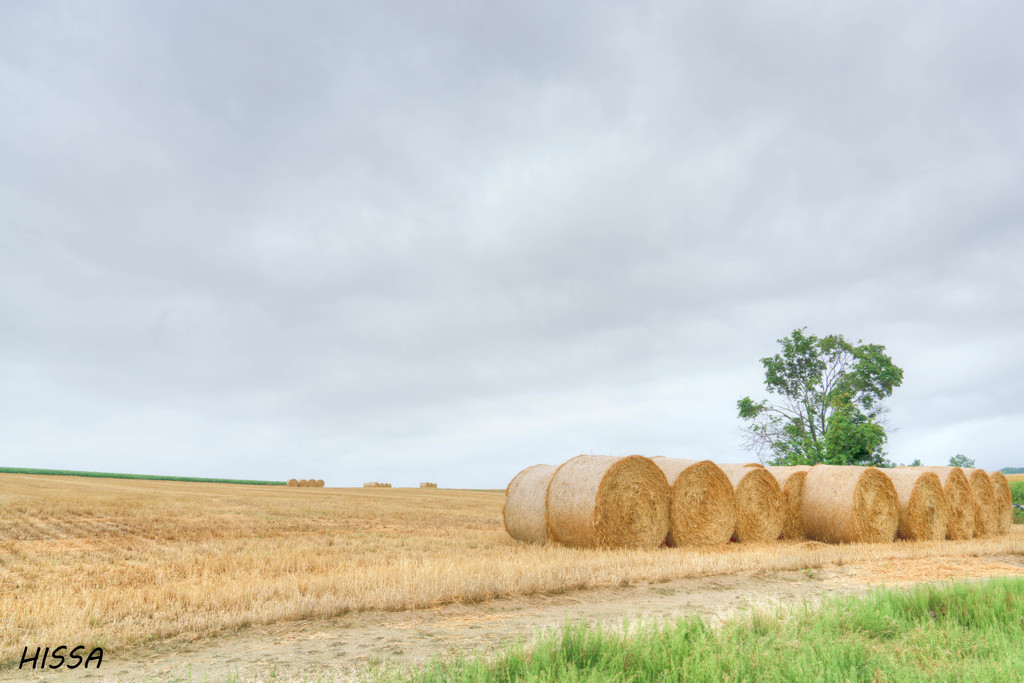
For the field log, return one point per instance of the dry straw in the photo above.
(293, 482)
(524, 511)
(702, 509)
(755, 464)
(303, 483)
(1004, 502)
(428, 485)
(923, 514)
(791, 481)
(760, 511)
(605, 501)
(849, 505)
(319, 483)
(986, 515)
(959, 502)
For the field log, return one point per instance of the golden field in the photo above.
(121, 562)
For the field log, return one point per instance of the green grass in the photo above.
(954, 632)
(117, 475)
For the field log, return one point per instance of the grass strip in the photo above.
(118, 475)
(952, 632)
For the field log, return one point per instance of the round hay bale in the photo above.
(1004, 502)
(760, 511)
(923, 514)
(986, 513)
(849, 505)
(702, 504)
(755, 464)
(303, 483)
(319, 483)
(791, 481)
(601, 501)
(959, 502)
(293, 482)
(524, 511)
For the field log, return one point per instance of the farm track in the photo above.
(344, 647)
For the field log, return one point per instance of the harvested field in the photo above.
(85, 560)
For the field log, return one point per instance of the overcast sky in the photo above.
(444, 241)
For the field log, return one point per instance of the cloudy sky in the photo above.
(444, 241)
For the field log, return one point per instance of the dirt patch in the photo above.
(338, 649)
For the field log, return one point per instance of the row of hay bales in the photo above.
(428, 485)
(634, 501)
(376, 484)
(307, 483)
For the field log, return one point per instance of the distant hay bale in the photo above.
(986, 513)
(923, 514)
(608, 502)
(959, 502)
(428, 485)
(319, 483)
(293, 482)
(702, 504)
(760, 511)
(1004, 502)
(849, 505)
(376, 484)
(524, 511)
(303, 483)
(791, 481)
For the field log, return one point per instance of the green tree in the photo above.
(916, 463)
(960, 460)
(828, 404)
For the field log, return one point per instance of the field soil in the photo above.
(346, 647)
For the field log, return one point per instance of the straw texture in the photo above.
(293, 482)
(1004, 502)
(849, 505)
(524, 511)
(319, 483)
(923, 512)
(986, 514)
(755, 464)
(760, 511)
(303, 483)
(702, 509)
(791, 481)
(609, 502)
(428, 485)
(959, 502)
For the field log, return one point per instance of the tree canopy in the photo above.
(960, 460)
(827, 404)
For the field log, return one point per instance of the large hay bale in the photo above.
(303, 483)
(608, 502)
(760, 511)
(1004, 502)
(293, 482)
(702, 504)
(986, 513)
(959, 502)
(923, 514)
(319, 483)
(849, 505)
(791, 481)
(524, 512)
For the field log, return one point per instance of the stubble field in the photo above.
(122, 562)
